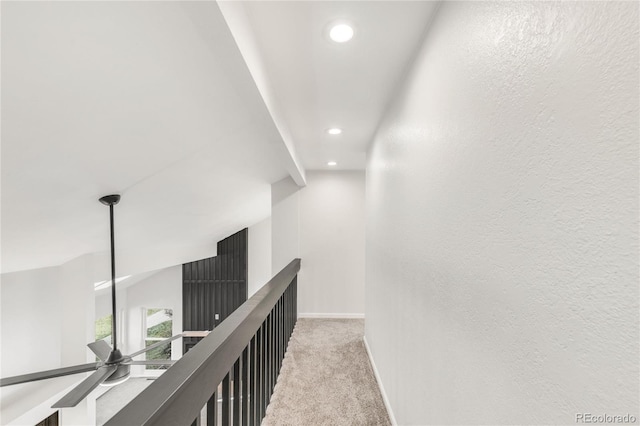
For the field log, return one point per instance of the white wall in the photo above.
(259, 256)
(323, 224)
(502, 227)
(22, 330)
(332, 237)
(46, 320)
(285, 224)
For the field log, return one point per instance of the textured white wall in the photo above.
(502, 228)
(332, 227)
(259, 256)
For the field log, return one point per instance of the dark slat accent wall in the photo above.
(217, 285)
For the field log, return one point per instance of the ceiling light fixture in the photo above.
(332, 163)
(334, 131)
(341, 33)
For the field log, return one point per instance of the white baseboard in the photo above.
(384, 394)
(353, 316)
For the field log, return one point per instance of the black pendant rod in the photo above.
(111, 200)
(113, 283)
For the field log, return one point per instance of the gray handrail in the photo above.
(178, 395)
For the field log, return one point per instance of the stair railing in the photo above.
(229, 376)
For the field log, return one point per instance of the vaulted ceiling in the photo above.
(190, 110)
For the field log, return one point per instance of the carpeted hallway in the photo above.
(326, 378)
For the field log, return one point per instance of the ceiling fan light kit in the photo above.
(113, 367)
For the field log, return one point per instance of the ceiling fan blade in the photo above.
(85, 387)
(101, 348)
(154, 362)
(48, 374)
(155, 345)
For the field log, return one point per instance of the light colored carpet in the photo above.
(326, 378)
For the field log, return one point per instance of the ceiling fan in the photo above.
(113, 367)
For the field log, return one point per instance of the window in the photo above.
(103, 328)
(158, 326)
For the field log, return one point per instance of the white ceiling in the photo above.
(154, 100)
(316, 83)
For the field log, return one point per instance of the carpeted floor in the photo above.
(326, 378)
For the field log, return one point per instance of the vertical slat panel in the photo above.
(195, 292)
(222, 283)
(225, 293)
(186, 307)
(215, 285)
(218, 291)
(202, 314)
(208, 325)
(237, 273)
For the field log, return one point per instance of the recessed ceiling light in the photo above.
(334, 131)
(341, 33)
(332, 163)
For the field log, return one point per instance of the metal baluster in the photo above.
(253, 382)
(262, 374)
(265, 368)
(226, 409)
(212, 410)
(245, 386)
(236, 393)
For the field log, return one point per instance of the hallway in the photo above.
(326, 378)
